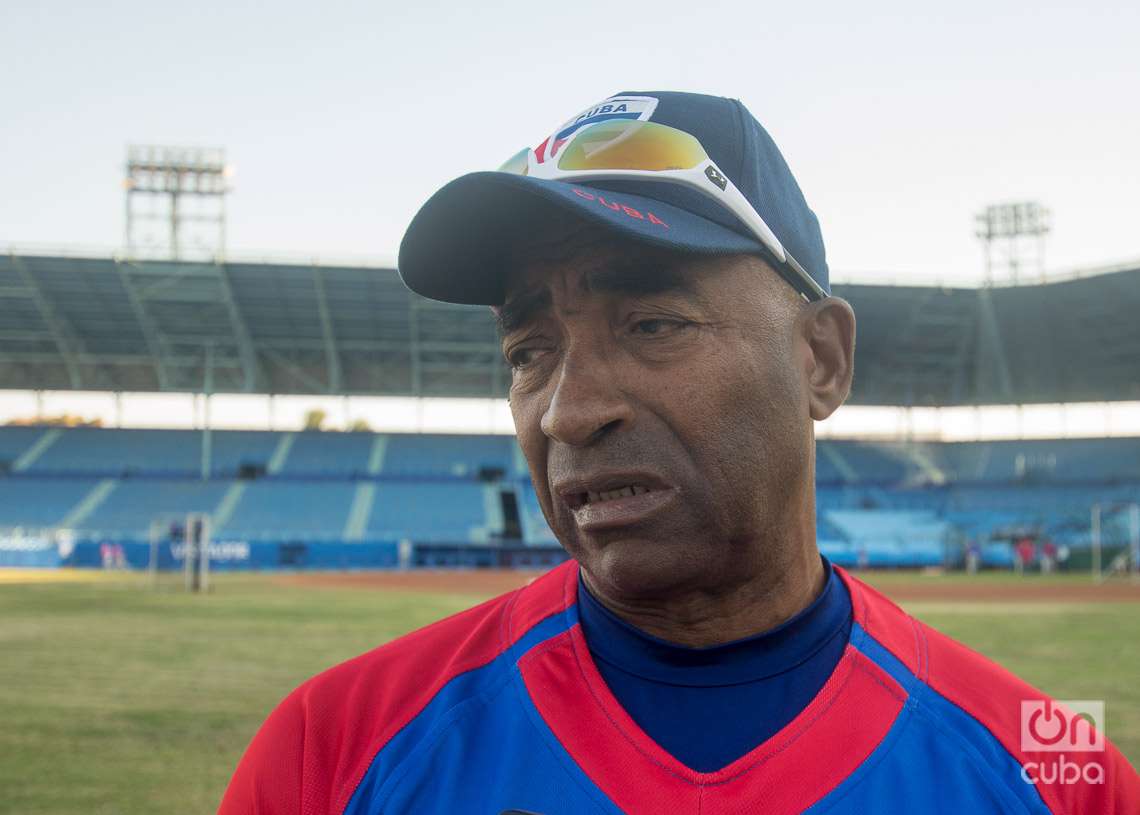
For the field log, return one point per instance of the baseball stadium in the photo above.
(165, 585)
(438, 408)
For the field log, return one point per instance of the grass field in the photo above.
(117, 699)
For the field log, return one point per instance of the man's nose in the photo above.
(587, 403)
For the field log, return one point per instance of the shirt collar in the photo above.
(763, 655)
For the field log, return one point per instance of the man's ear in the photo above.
(829, 331)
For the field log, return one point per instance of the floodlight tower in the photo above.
(186, 186)
(1017, 231)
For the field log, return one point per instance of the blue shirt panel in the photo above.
(708, 707)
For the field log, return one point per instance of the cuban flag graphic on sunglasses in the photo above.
(637, 108)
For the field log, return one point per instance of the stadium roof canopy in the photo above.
(96, 323)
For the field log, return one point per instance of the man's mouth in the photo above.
(590, 497)
(615, 499)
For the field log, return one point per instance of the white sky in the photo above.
(900, 119)
(400, 414)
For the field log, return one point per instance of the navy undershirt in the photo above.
(707, 707)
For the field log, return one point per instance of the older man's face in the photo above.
(661, 408)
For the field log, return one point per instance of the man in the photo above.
(661, 291)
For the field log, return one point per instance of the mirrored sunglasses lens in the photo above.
(626, 145)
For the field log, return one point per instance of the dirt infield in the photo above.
(21, 574)
(444, 581)
(903, 587)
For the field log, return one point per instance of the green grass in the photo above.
(119, 700)
(1070, 651)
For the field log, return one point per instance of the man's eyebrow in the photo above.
(521, 308)
(637, 277)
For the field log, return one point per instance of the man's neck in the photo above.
(700, 618)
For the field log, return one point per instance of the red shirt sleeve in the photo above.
(268, 777)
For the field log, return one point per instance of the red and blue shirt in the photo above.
(502, 708)
(709, 706)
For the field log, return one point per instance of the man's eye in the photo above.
(656, 325)
(521, 357)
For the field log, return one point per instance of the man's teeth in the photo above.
(621, 492)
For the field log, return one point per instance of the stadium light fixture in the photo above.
(185, 185)
(1011, 226)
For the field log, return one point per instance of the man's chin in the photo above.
(637, 566)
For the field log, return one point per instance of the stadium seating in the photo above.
(460, 456)
(230, 450)
(15, 442)
(1071, 460)
(328, 454)
(533, 523)
(36, 502)
(309, 510)
(893, 537)
(118, 452)
(128, 510)
(876, 463)
(429, 511)
(878, 503)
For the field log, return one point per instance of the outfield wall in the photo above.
(36, 550)
(33, 549)
(236, 555)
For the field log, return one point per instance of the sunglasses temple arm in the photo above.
(747, 213)
(814, 290)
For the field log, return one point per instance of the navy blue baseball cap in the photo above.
(457, 245)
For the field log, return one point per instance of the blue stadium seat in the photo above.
(15, 441)
(534, 526)
(97, 451)
(329, 454)
(873, 462)
(231, 449)
(129, 509)
(34, 502)
(878, 503)
(455, 455)
(428, 511)
(302, 510)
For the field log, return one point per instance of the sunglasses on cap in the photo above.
(627, 150)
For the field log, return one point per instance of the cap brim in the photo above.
(456, 246)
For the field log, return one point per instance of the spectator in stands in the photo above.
(112, 556)
(973, 556)
(1024, 554)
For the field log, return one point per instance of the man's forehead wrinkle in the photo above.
(559, 277)
(594, 267)
(550, 261)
